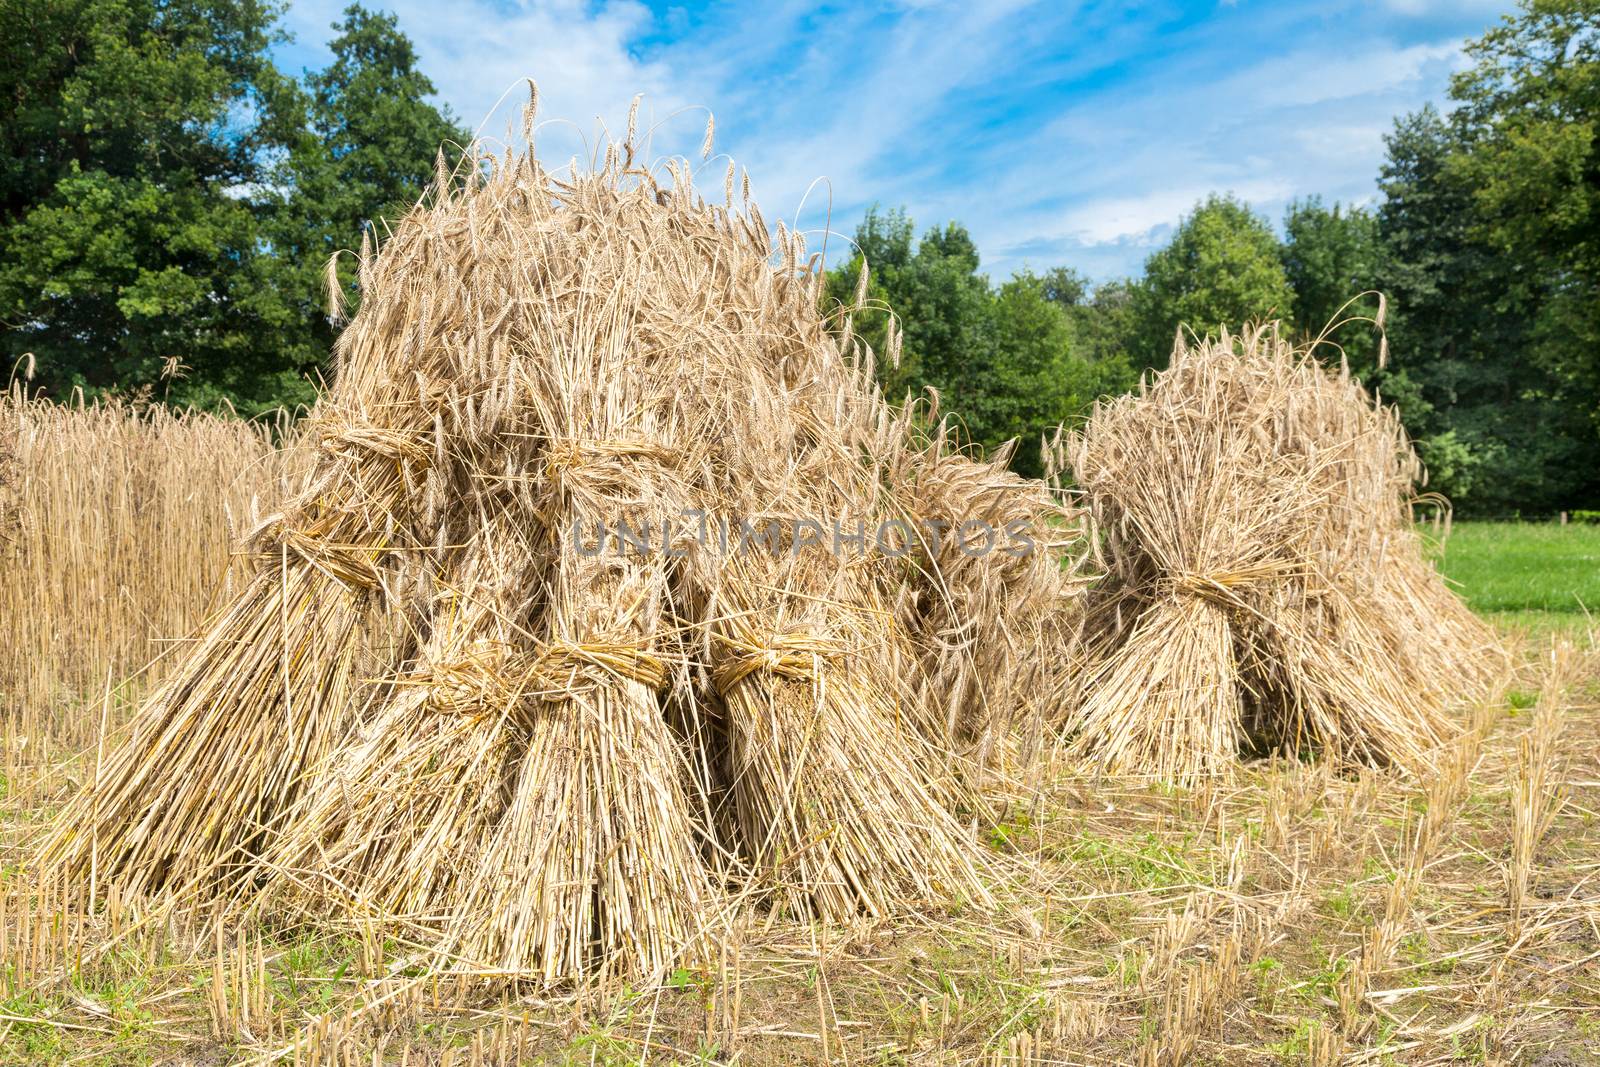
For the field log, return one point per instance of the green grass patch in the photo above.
(1517, 571)
(1145, 861)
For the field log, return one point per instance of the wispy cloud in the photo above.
(1070, 133)
(479, 54)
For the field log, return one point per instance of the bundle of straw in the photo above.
(1265, 582)
(839, 805)
(457, 701)
(993, 581)
(220, 750)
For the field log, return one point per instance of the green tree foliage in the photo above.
(1496, 429)
(945, 316)
(168, 198)
(1222, 267)
(1002, 360)
(1490, 233)
(1529, 127)
(1330, 256)
(933, 289)
(1104, 332)
(133, 133)
(885, 243)
(1031, 381)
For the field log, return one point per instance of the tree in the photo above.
(1222, 267)
(1529, 125)
(944, 305)
(884, 246)
(365, 155)
(931, 286)
(1066, 287)
(1001, 361)
(1331, 255)
(127, 244)
(1104, 332)
(1490, 229)
(1027, 383)
(168, 199)
(1495, 429)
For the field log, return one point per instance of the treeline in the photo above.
(1485, 240)
(169, 200)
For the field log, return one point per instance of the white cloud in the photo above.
(1316, 77)
(1268, 129)
(1421, 8)
(477, 52)
(1133, 218)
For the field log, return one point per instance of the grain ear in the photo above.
(334, 289)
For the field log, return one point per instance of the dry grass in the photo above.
(1223, 924)
(118, 526)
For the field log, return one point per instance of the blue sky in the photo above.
(1061, 133)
